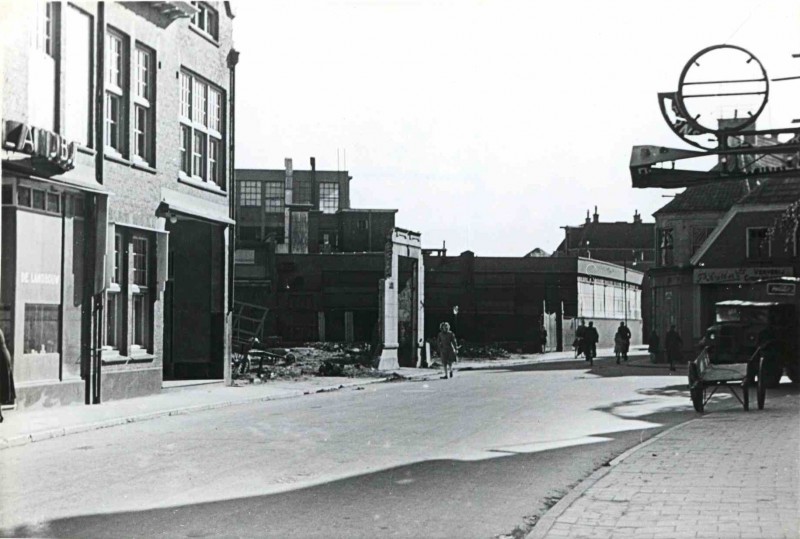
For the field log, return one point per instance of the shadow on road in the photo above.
(604, 366)
(436, 498)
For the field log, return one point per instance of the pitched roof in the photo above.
(774, 191)
(707, 197)
(611, 236)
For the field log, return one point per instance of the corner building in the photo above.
(116, 170)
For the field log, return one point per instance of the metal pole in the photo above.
(625, 287)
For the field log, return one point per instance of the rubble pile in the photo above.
(469, 350)
(352, 360)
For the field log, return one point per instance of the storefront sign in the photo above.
(40, 143)
(609, 271)
(738, 275)
(28, 277)
(781, 289)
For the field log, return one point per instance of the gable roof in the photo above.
(707, 197)
(774, 191)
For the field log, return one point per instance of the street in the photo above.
(468, 457)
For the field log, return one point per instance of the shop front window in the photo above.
(141, 305)
(41, 328)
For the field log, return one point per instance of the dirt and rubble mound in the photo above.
(353, 360)
(471, 350)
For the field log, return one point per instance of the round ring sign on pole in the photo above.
(723, 89)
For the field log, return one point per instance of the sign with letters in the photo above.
(781, 289)
(40, 143)
(738, 275)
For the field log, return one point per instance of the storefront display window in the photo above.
(41, 328)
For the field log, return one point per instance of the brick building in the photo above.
(117, 161)
(626, 244)
(715, 246)
(508, 300)
(309, 258)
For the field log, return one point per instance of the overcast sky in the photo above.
(487, 124)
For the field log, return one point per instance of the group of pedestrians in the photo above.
(673, 344)
(586, 339)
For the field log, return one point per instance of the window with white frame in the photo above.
(758, 243)
(140, 297)
(143, 103)
(115, 92)
(202, 127)
(273, 197)
(249, 193)
(329, 197)
(206, 19)
(42, 36)
(114, 300)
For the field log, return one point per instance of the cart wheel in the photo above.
(698, 395)
(761, 388)
(746, 394)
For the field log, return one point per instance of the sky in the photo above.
(487, 124)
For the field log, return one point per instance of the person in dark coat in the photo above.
(7, 393)
(622, 342)
(580, 334)
(653, 346)
(673, 344)
(447, 345)
(543, 340)
(590, 341)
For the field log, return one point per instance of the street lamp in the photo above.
(588, 252)
(455, 319)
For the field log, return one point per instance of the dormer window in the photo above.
(206, 19)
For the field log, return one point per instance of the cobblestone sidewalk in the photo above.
(729, 474)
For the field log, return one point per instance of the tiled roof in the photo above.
(707, 197)
(774, 191)
(611, 236)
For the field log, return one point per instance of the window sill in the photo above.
(113, 357)
(141, 165)
(205, 35)
(200, 184)
(117, 158)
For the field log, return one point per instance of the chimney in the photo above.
(596, 215)
(287, 190)
(588, 220)
(637, 217)
(314, 198)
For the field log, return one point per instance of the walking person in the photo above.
(580, 334)
(622, 342)
(652, 346)
(447, 345)
(590, 341)
(7, 393)
(543, 340)
(673, 344)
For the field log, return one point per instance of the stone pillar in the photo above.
(420, 309)
(389, 358)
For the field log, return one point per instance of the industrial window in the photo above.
(206, 19)
(41, 328)
(202, 127)
(273, 197)
(329, 197)
(665, 247)
(758, 243)
(249, 193)
(115, 92)
(143, 98)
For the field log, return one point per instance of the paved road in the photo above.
(467, 457)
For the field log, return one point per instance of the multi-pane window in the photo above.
(114, 299)
(206, 19)
(329, 197)
(249, 193)
(42, 36)
(114, 92)
(665, 247)
(273, 197)
(201, 119)
(140, 319)
(143, 104)
(758, 243)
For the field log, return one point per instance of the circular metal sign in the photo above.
(722, 89)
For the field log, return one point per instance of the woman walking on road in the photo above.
(447, 345)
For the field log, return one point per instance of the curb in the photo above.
(24, 439)
(543, 525)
